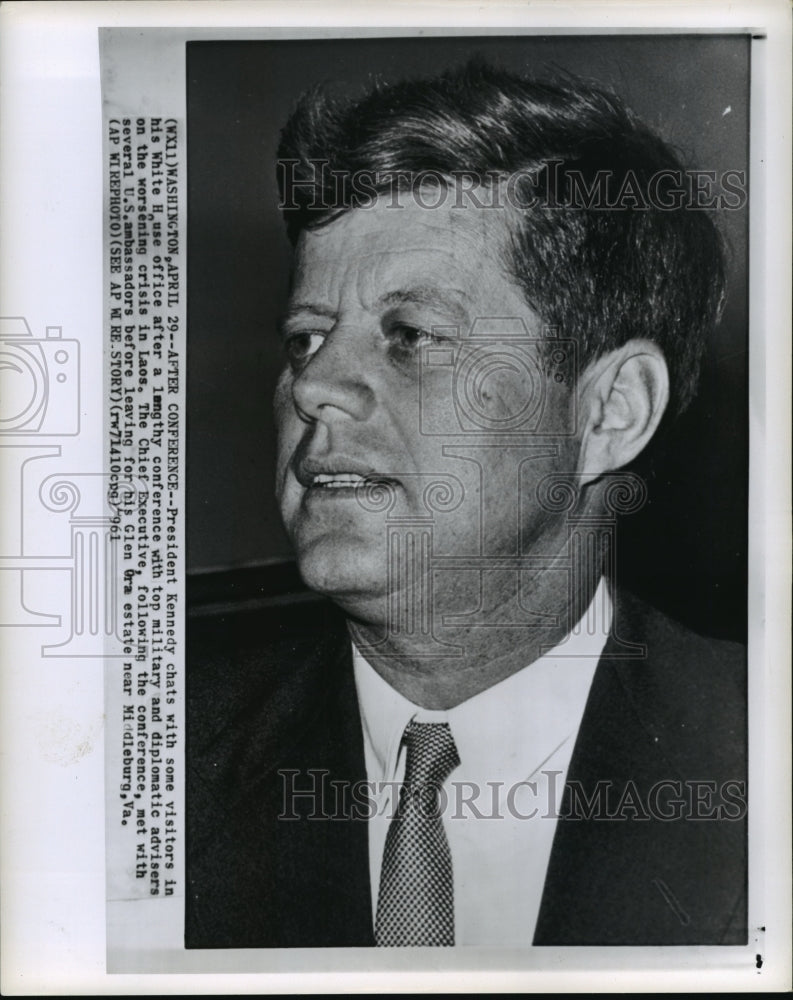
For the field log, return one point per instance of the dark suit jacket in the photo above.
(263, 698)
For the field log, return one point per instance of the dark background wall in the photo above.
(686, 550)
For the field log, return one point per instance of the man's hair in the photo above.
(599, 272)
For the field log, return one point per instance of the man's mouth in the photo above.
(337, 480)
(337, 473)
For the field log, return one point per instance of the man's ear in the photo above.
(621, 399)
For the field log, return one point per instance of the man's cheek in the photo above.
(287, 488)
(285, 483)
(280, 483)
(288, 428)
(283, 405)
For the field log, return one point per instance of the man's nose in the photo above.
(336, 381)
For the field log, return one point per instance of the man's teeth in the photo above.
(337, 479)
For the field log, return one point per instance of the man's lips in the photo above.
(338, 472)
(337, 480)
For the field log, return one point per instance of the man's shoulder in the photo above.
(255, 674)
(670, 637)
(653, 846)
(688, 689)
(271, 710)
(672, 650)
(260, 647)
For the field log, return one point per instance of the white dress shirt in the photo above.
(500, 831)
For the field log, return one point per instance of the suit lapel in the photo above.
(590, 893)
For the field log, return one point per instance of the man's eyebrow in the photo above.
(296, 310)
(452, 299)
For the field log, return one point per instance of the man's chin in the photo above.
(355, 579)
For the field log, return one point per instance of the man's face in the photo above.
(358, 402)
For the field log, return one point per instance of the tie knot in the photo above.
(431, 753)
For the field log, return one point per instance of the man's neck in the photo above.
(416, 667)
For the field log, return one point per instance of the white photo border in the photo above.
(53, 860)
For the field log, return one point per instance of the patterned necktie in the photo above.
(415, 905)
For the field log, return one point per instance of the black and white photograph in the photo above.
(398, 498)
(506, 288)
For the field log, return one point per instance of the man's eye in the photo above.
(301, 346)
(409, 336)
